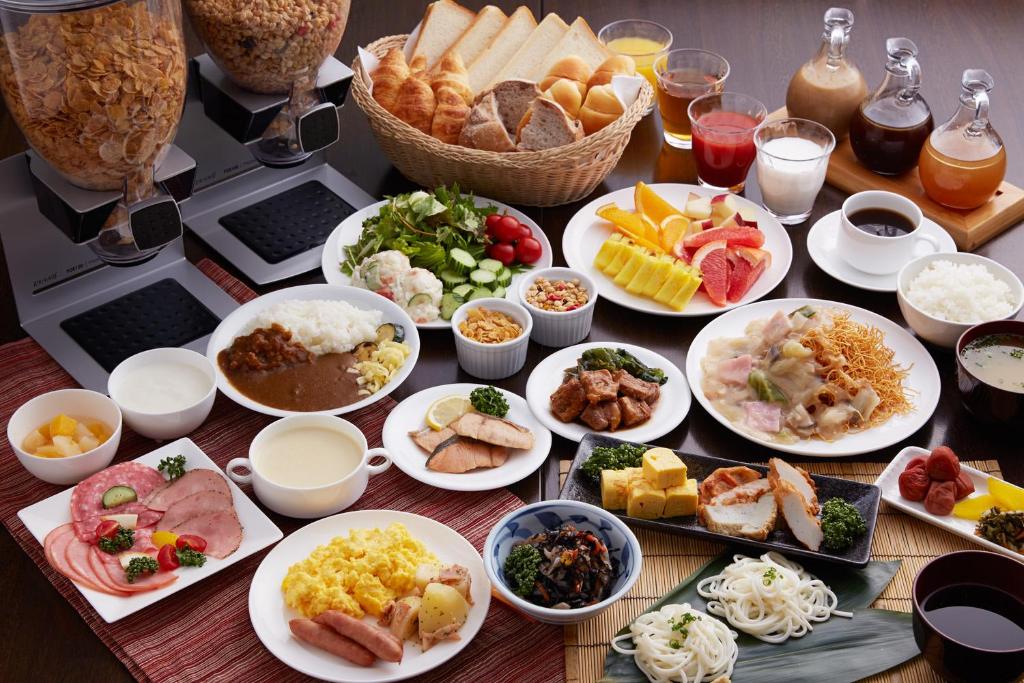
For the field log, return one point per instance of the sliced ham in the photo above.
(206, 502)
(191, 482)
(736, 370)
(763, 416)
(85, 529)
(115, 574)
(77, 555)
(55, 547)
(778, 326)
(221, 530)
(102, 574)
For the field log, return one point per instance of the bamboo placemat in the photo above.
(669, 559)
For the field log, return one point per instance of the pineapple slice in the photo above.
(639, 281)
(616, 264)
(62, 425)
(663, 269)
(47, 452)
(33, 442)
(683, 296)
(66, 446)
(676, 281)
(609, 249)
(631, 267)
(100, 430)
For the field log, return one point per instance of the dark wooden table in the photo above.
(43, 638)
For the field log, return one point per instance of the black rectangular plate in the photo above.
(864, 497)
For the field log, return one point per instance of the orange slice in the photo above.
(651, 204)
(673, 229)
(634, 225)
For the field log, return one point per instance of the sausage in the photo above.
(328, 640)
(382, 643)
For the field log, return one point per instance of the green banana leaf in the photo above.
(837, 651)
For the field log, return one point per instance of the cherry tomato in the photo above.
(507, 229)
(107, 529)
(524, 231)
(197, 543)
(168, 558)
(492, 222)
(528, 250)
(505, 253)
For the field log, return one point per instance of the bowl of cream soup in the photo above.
(309, 466)
(165, 393)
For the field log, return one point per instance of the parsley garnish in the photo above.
(140, 565)
(122, 540)
(190, 558)
(173, 467)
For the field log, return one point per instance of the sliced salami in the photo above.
(87, 498)
(86, 529)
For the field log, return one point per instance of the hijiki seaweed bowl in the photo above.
(518, 525)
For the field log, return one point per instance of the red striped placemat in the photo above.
(212, 618)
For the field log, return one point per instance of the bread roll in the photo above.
(548, 126)
(616, 64)
(565, 93)
(572, 68)
(512, 98)
(484, 129)
(388, 78)
(416, 103)
(600, 108)
(452, 73)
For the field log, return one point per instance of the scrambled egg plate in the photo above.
(357, 574)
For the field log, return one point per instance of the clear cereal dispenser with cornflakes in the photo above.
(97, 87)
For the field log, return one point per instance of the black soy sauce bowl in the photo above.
(949, 658)
(988, 403)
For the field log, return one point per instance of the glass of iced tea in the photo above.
(682, 76)
(644, 41)
(723, 126)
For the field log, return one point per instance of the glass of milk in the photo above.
(792, 157)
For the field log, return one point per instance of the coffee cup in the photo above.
(877, 247)
(309, 466)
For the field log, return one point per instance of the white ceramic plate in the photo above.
(888, 482)
(270, 615)
(241, 317)
(923, 380)
(347, 233)
(409, 416)
(586, 232)
(258, 533)
(669, 411)
(821, 245)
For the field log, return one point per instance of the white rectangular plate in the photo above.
(258, 532)
(888, 482)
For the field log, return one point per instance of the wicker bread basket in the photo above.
(546, 178)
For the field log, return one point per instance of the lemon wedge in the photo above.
(1008, 496)
(975, 507)
(444, 411)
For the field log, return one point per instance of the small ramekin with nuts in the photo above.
(561, 303)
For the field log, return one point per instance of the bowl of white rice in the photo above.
(942, 295)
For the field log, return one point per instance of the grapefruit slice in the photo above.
(735, 236)
(651, 204)
(747, 265)
(713, 261)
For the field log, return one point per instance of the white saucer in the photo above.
(821, 245)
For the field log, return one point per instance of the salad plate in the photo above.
(586, 232)
(349, 231)
(408, 416)
(922, 382)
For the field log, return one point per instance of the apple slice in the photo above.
(721, 207)
(698, 207)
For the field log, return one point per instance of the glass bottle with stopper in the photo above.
(963, 162)
(828, 88)
(889, 128)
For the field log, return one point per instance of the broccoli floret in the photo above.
(841, 523)
(489, 401)
(521, 569)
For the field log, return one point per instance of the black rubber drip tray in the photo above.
(290, 222)
(161, 314)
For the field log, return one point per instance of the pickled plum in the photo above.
(943, 465)
(964, 485)
(919, 461)
(914, 483)
(941, 497)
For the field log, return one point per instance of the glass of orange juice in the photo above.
(644, 41)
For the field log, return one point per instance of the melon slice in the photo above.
(713, 262)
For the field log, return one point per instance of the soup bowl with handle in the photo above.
(308, 502)
(987, 402)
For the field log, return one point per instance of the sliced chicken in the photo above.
(493, 430)
(725, 478)
(428, 439)
(459, 454)
(744, 493)
(754, 520)
(780, 470)
(798, 514)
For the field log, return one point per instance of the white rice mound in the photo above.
(960, 292)
(321, 326)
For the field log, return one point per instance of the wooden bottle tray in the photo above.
(969, 229)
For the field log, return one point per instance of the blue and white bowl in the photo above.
(520, 524)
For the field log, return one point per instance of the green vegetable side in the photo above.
(521, 568)
(490, 401)
(617, 359)
(613, 458)
(841, 524)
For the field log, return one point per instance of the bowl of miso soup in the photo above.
(990, 371)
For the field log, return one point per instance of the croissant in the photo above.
(450, 115)
(600, 108)
(388, 78)
(452, 73)
(614, 65)
(415, 103)
(571, 67)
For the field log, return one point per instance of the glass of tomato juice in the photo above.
(723, 125)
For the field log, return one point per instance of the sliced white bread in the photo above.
(443, 23)
(513, 99)
(531, 54)
(513, 34)
(480, 34)
(548, 126)
(578, 40)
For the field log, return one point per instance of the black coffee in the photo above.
(882, 222)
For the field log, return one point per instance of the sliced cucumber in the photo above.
(462, 291)
(490, 264)
(482, 277)
(504, 277)
(480, 293)
(119, 495)
(449, 304)
(499, 292)
(461, 261)
(420, 299)
(451, 278)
